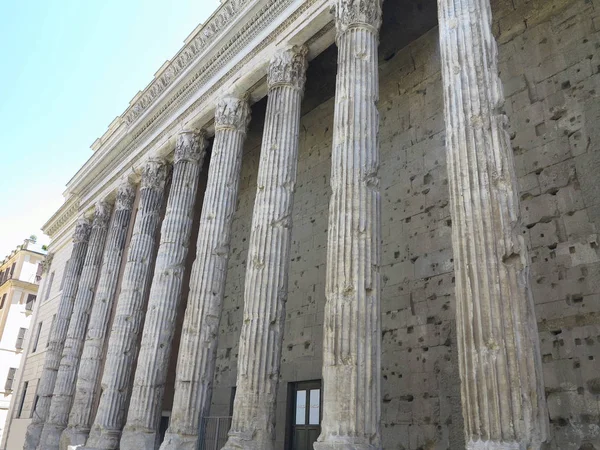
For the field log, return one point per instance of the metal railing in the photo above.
(214, 431)
(5, 280)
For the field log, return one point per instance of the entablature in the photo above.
(232, 61)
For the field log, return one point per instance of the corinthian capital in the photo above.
(190, 145)
(154, 174)
(288, 67)
(82, 230)
(354, 13)
(47, 262)
(102, 214)
(125, 195)
(232, 113)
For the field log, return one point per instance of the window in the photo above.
(62, 281)
(232, 399)
(37, 337)
(163, 425)
(20, 337)
(2, 302)
(12, 269)
(50, 331)
(10, 378)
(49, 288)
(304, 415)
(30, 302)
(22, 399)
(35, 402)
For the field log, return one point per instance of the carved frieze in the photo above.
(154, 174)
(288, 67)
(190, 145)
(352, 13)
(232, 112)
(206, 35)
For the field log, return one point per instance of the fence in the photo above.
(214, 430)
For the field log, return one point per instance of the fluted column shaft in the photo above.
(58, 334)
(352, 324)
(165, 293)
(69, 362)
(499, 358)
(198, 348)
(266, 285)
(129, 315)
(83, 382)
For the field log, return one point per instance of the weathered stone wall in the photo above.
(551, 73)
(550, 66)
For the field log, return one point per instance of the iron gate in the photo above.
(214, 430)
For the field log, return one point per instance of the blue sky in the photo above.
(69, 67)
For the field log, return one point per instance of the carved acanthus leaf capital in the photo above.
(154, 174)
(232, 112)
(102, 213)
(288, 67)
(190, 146)
(82, 230)
(353, 13)
(47, 262)
(125, 195)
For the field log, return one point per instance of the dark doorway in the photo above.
(304, 413)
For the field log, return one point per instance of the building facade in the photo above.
(339, 224)
(20, 274)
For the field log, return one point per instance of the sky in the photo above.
(67, 69)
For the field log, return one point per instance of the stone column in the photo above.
(499, 357)
(58, 333)
(129, 316)
(265, 291)
(197, 351)
(69, 363)
(83, 388)
(150, 376)
(352, 323)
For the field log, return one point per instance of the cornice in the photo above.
(194, 47)
(21, 284)
(196, 83)
(65, 213)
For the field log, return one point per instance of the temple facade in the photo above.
(336, 224)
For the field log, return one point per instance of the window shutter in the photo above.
(20, 337)
(9, 379)
(30, 302)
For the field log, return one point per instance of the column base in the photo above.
(137, 440)
(72, 437)
(492, 445)
(240, 442)
(341, 443)
(32, 438)
(103, 439)
(51, 437)
(175, 441)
